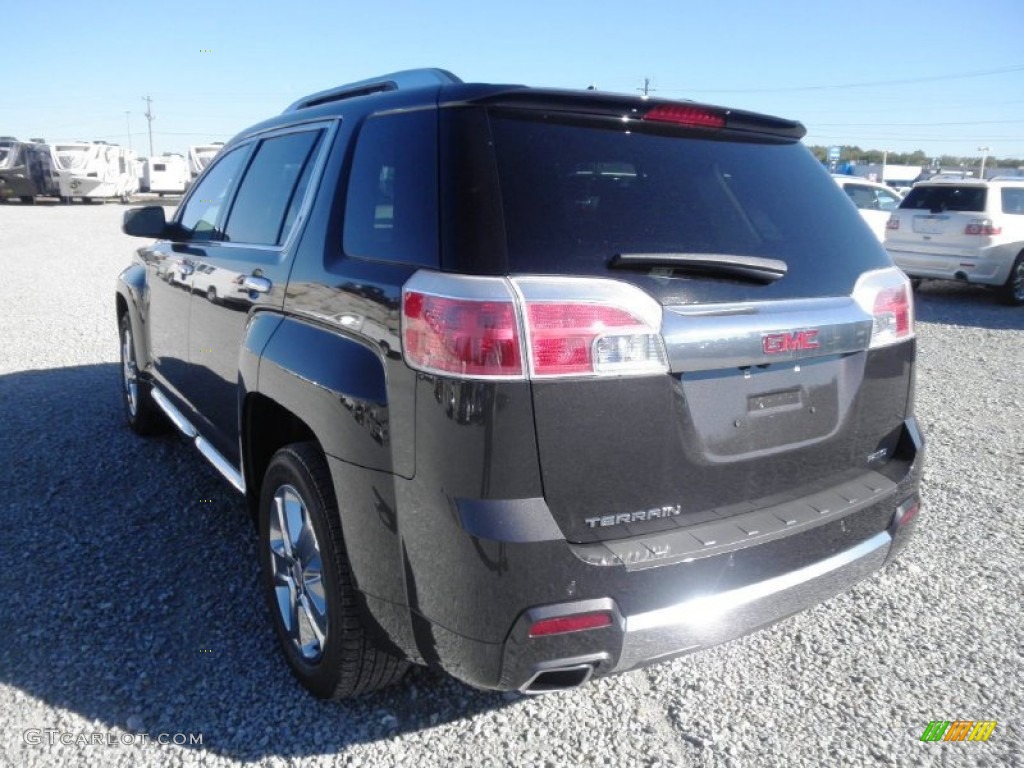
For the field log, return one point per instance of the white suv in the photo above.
(874, 201)
(962, 229)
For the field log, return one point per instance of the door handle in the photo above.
(256, 283)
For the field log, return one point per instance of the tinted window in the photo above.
(887, 201)
(391, 206)
(574, 197)
(947, 197)
(863, 197)
(1013, 200)
(205, 207)
(269, 185)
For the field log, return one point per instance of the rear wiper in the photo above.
(745, 267)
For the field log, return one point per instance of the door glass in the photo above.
(268, 187)
(205, 208)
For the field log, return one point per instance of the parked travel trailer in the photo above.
(200, 155)
(166, 174)
(140, 173)
(95, 170)
(26, 170)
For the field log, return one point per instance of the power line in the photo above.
(869, 84)
(915, 125)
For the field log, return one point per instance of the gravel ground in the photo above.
(129, 602)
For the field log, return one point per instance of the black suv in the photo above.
(529, 385)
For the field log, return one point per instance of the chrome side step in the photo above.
(211, 454)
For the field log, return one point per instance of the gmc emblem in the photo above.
(776, 343)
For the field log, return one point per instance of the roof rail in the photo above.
(409, 78)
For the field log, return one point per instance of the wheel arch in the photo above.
(128, 295)
(304, 381)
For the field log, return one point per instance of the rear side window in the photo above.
(576, 196)
(948, 197)
(863, 197)
(1013, 200)
(391, 206)
(269, 187)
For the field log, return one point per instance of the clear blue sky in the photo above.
(943, 76)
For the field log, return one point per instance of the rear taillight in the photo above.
(681, 114)
(983, 227)
(893, 222)
(530, 327)
(467, 337)
(886, 295)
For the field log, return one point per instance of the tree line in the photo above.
(857, 155)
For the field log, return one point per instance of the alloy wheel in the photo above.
(129, 373)
(297, 573)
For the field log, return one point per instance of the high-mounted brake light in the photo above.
(576, 623)
(493, 327)
(886, 295)
(682, 114)
(983, 227)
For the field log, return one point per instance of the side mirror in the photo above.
(145, 222)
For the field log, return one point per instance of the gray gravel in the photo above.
(129, 600)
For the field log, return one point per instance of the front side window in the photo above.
(204, 210)
(391, 205)
(270, 186)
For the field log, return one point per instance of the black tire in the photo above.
(142, 414)
(28, 200)
(1013, 289)
(211, 294)
(345, 662)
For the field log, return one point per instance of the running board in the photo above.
(211, 454)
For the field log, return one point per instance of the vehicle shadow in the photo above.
(130, 590)
(938, 301)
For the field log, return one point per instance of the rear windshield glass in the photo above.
(948, 197)
(575, 196)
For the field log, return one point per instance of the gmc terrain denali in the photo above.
(529, 385)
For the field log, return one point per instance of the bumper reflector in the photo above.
(907, 511)
(560, 625)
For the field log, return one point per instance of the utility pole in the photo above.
(128, 120)
(150, 117)
(984, 157)
(647, 87)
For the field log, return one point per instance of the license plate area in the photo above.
(744, 413)
(932, 224)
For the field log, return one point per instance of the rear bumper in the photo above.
(718, 617)
(986, 266)
(674, 604)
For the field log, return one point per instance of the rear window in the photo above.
(575, 196)
(947, 197)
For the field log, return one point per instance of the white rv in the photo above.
(200, 155)
(166, 174)
(26, 170)
(95, 170)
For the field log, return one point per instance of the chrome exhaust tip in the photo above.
(557, 679)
